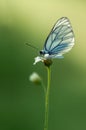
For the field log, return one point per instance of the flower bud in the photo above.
(48, 62)
(35, 78)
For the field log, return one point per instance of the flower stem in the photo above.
(47, 99)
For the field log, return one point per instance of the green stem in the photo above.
(47, 99)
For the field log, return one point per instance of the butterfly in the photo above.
(60, 40)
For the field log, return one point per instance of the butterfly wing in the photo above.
(61, 38)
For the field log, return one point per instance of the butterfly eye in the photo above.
(42, 52)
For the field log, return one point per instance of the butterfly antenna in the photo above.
(28, 44)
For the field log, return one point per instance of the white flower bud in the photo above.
(35, 78)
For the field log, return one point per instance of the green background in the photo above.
(21, 102)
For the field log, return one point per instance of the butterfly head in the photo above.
(42, 52)
(45, 54)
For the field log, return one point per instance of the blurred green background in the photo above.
(21, 102)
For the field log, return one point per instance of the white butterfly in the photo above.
(59, 41)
